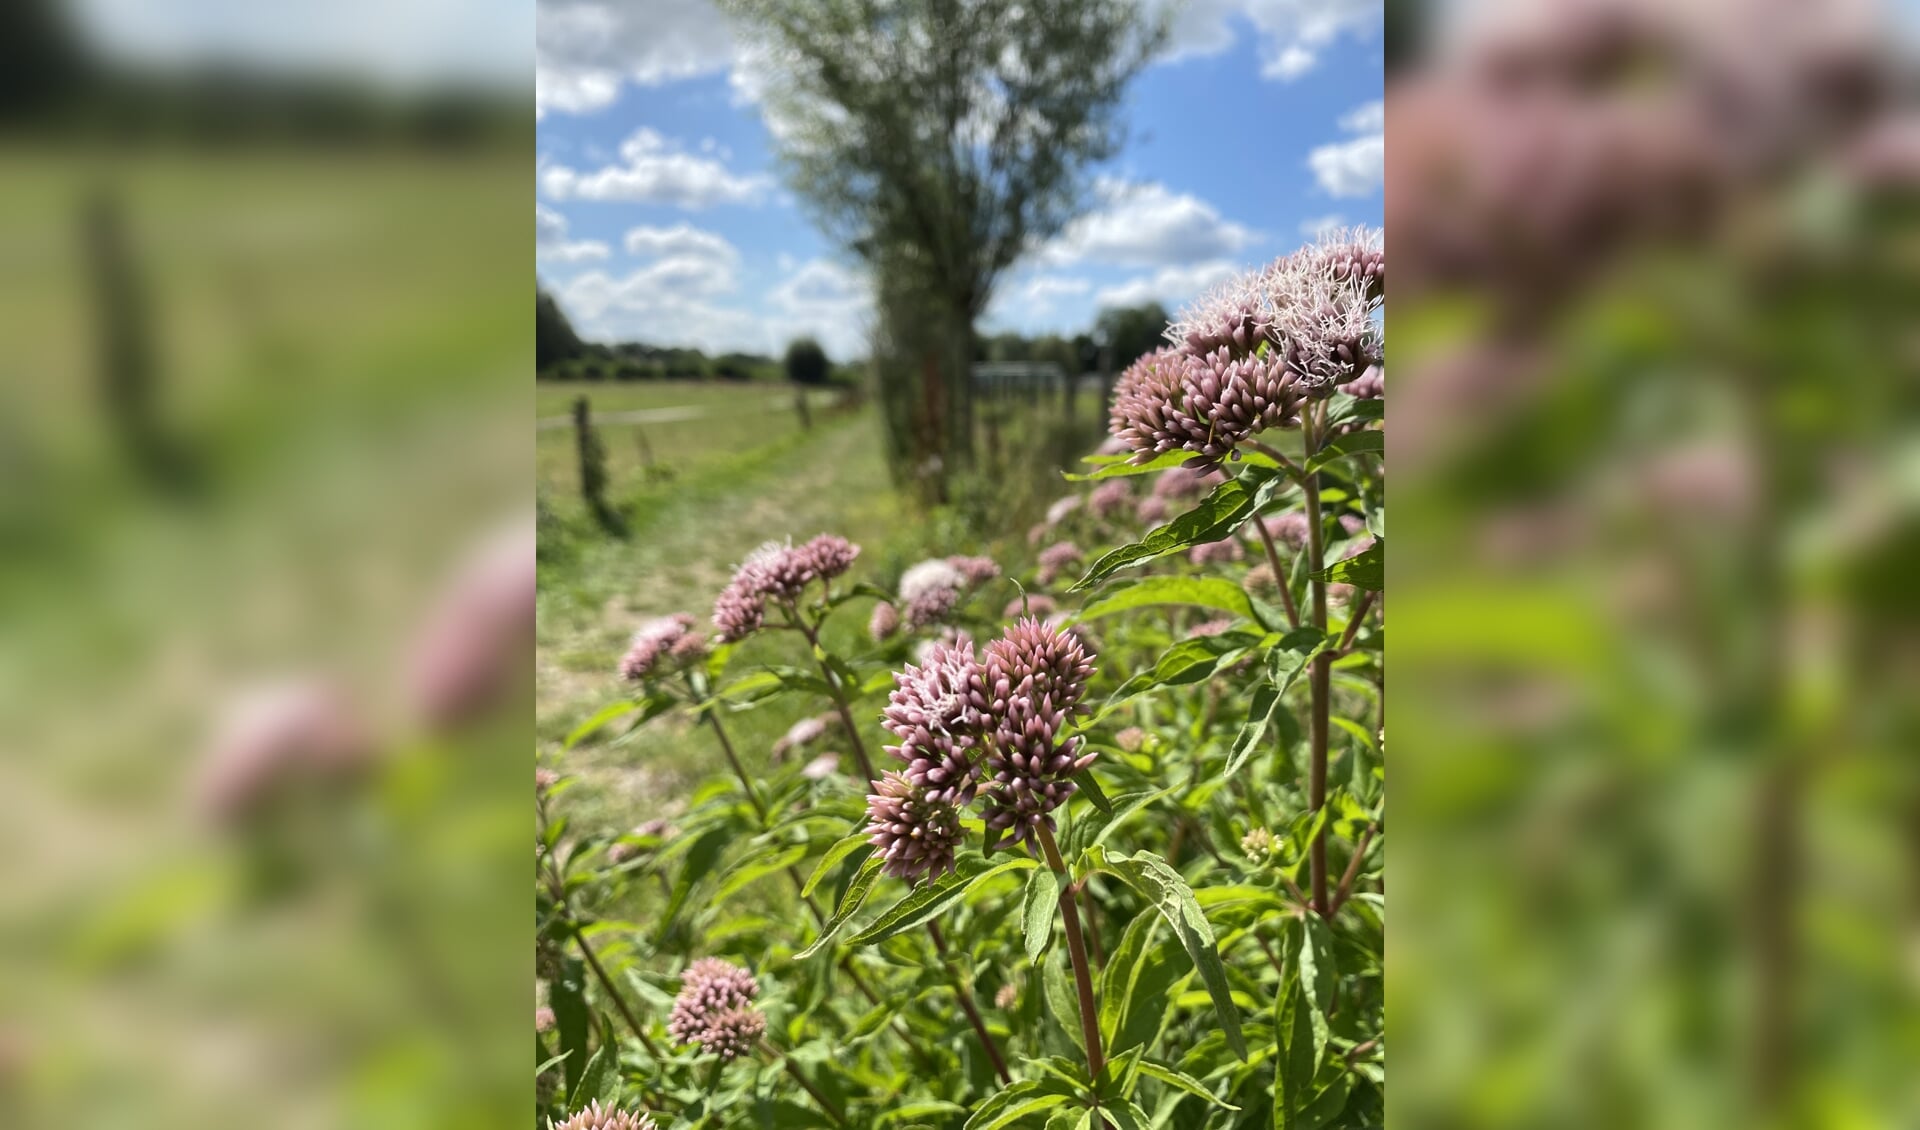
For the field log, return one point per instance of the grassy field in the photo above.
(737, 487)
(679, 434)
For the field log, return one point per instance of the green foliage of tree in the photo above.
(806, 363)
(554, 340)
(939, 141)
(1130, 332)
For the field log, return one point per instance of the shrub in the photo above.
(806, 363)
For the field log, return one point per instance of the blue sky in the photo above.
(661, 215)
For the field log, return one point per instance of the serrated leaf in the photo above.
(1364, 570)
(857, 891)
(1353, 443)
(1182, 1081)
(1163, 887)
(1036, 915)
(1011, 1104)
(1207, 592)
(1284, 663)
(598, 1082)
(929, 901)
(841, 849)
(1119, 466)
(1213, 518)
(751, 870)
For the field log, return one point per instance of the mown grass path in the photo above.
(685, 538)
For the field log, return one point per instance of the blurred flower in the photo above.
(1185, 482)
(802, 733)
(1213, 552)
(544, 779)
(925, 577)
(660, 638)
(821, 767)
(884, 622)
(733, 1032)
(474, 646)
(620, 851)
(1056, 558)
(1057, 513)
(1110, 498)
(303, 728)
(1289, 529)
(1036, 532)
(658, 829)
(1210, 628)
(543, 1019)
(1152, 511)
(1259, 579)
(1132, 739)
(828, 556)
(708, 1010)
(914, 834)
(1007, 997)
(931, 607)
(593, 1117)
(1257, 844)
(977, 570)
(1034, 604)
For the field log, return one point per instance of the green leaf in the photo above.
(1216, 516)
(1207, 592)
(1036, 917)
(1091, 786)
(1162, 886)
(750, 870)
(567, 997)
(648, 708)
(857, 892)
(841, 849)
(924, 1108)
(600, 1081)
(1284, 663)
(1011, 1104)
(1365, 570)
(1325, 1107)
(1126, 1116)
(1182, 1081)
(1133, 1005)
(1188, 661)
(929, 901)
(1117, 466)
(1062, 1002)
(1342, 408)
(1353, 443)
(1094, 827)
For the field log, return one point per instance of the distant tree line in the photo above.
(559, 353)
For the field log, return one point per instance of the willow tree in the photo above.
(938, 141)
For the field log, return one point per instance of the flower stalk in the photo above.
(1320, 674)
(1076, 953)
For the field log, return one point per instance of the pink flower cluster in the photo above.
(596, 1117)
(715, 1009)
(779, 572)
(1245, 356)
(978, 726)
(669, 638)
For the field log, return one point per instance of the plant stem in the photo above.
(1320, 678)
(1345, 891)
(739, 770)
(972, 1010)
(800, 1077)
(838, 694)
(1077, 951)
(1280, 576)
(1354, 617)
(619, 1002)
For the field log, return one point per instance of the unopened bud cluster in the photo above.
(985, 726)
(715, 1009)
(779, 572)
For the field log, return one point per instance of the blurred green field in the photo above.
(684, 425)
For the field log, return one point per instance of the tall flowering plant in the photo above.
(1121, 810)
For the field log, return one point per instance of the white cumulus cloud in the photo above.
(551, 245)
(585, 50)
(1357, 166)
(1147, 225)
(1169, 286)
(1292, 34)
(655, 170)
